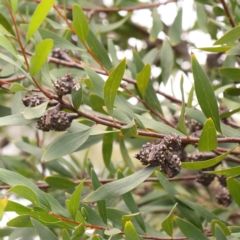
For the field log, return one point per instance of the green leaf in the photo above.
(175, 29)
(208, 138)
(119, 187)
(167, 224)
(70, 141)
(232, 172)
(79, 231)
(219, 233)
(112, 26)
(220, 224)
(189, 230)
(95, 237)
(131, 204)
(229, 37)
(98, 50)
(15, 120)
(129, 130)
(3, 204)
(20, 221)
(101, 204)
(16, 207)
(59, 42)
(5, 43)
(126, 156)
(65, 235)
(232, 91)
(202, 17)
(25, 192)
(43, 232)
(112, 84)
(14, 5)
(75, 199)
(205, 94)
(38, 17)
(107, 146)
(35, 112)
(80, 22)
(77, 96)
(113, 231)
(16, 87)
(181, 122)
(234, 189)
(7, 26)
(216, 48)
(206, 164)
(232, 73)
(157, 25)
(166, 61)
(130, 232)
(143, 79)
(39, 58)
(234, 50)
(59, 182)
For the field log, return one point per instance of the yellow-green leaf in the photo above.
(3, 204)
(229, 37)
(40, 57)
(205, 94)
(234, 189)
(208, 138)
(112, 84)
(167, 224)
(143, 79)
(80, 22)
(39, 16)
(175, 30)
(130, 232)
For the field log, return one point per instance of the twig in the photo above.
(116, 9)
(105, 181)
(230, 18)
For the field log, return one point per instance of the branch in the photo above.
(230, 18)
(105, 181)
(116, 9)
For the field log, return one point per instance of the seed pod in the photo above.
(205, 178)
(64, 85)
(33, 101)
(222, 180)
(163, 154)
(223, 197)
(55, 120)
(60, 53)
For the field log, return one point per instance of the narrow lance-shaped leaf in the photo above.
(70, 141)
(208, 138)
(25, 192)
(181, 122)
(65, 235)
(130, 129)
(15, 120)
(207, 163)
(130, 232)
(221, 225)
(131, 204)
(16, 87)
(107, 146)
(232, 73)
(166, 61)
(167, 224)
(101, 204)
(112, 84)
(40, 57)
(43, 232)
(35, 112)
(219, 233)
(189, 230)
(119, 187)
(80, 22)
(7, 26)
(14, 5)
(234, 189)
(3, 204)
(175, 30)
(75, 199)
(157, 25)
(38, 17)
(143, 79)
(229, 37)
(233, 172)
(205, 94)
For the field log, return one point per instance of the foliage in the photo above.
(78, 99)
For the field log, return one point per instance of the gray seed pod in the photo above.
(64, 85)
(222, 180)
(163, 154)
(205, 178)
(33, 101)
(55, 120)
(223, 197)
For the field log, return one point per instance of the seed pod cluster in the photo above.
(64, 85)
(55, 120)
(33, 101)
(163, 154)
(223, 196)
(60, 53)
(222, 180)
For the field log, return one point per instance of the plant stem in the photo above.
(228, 13)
